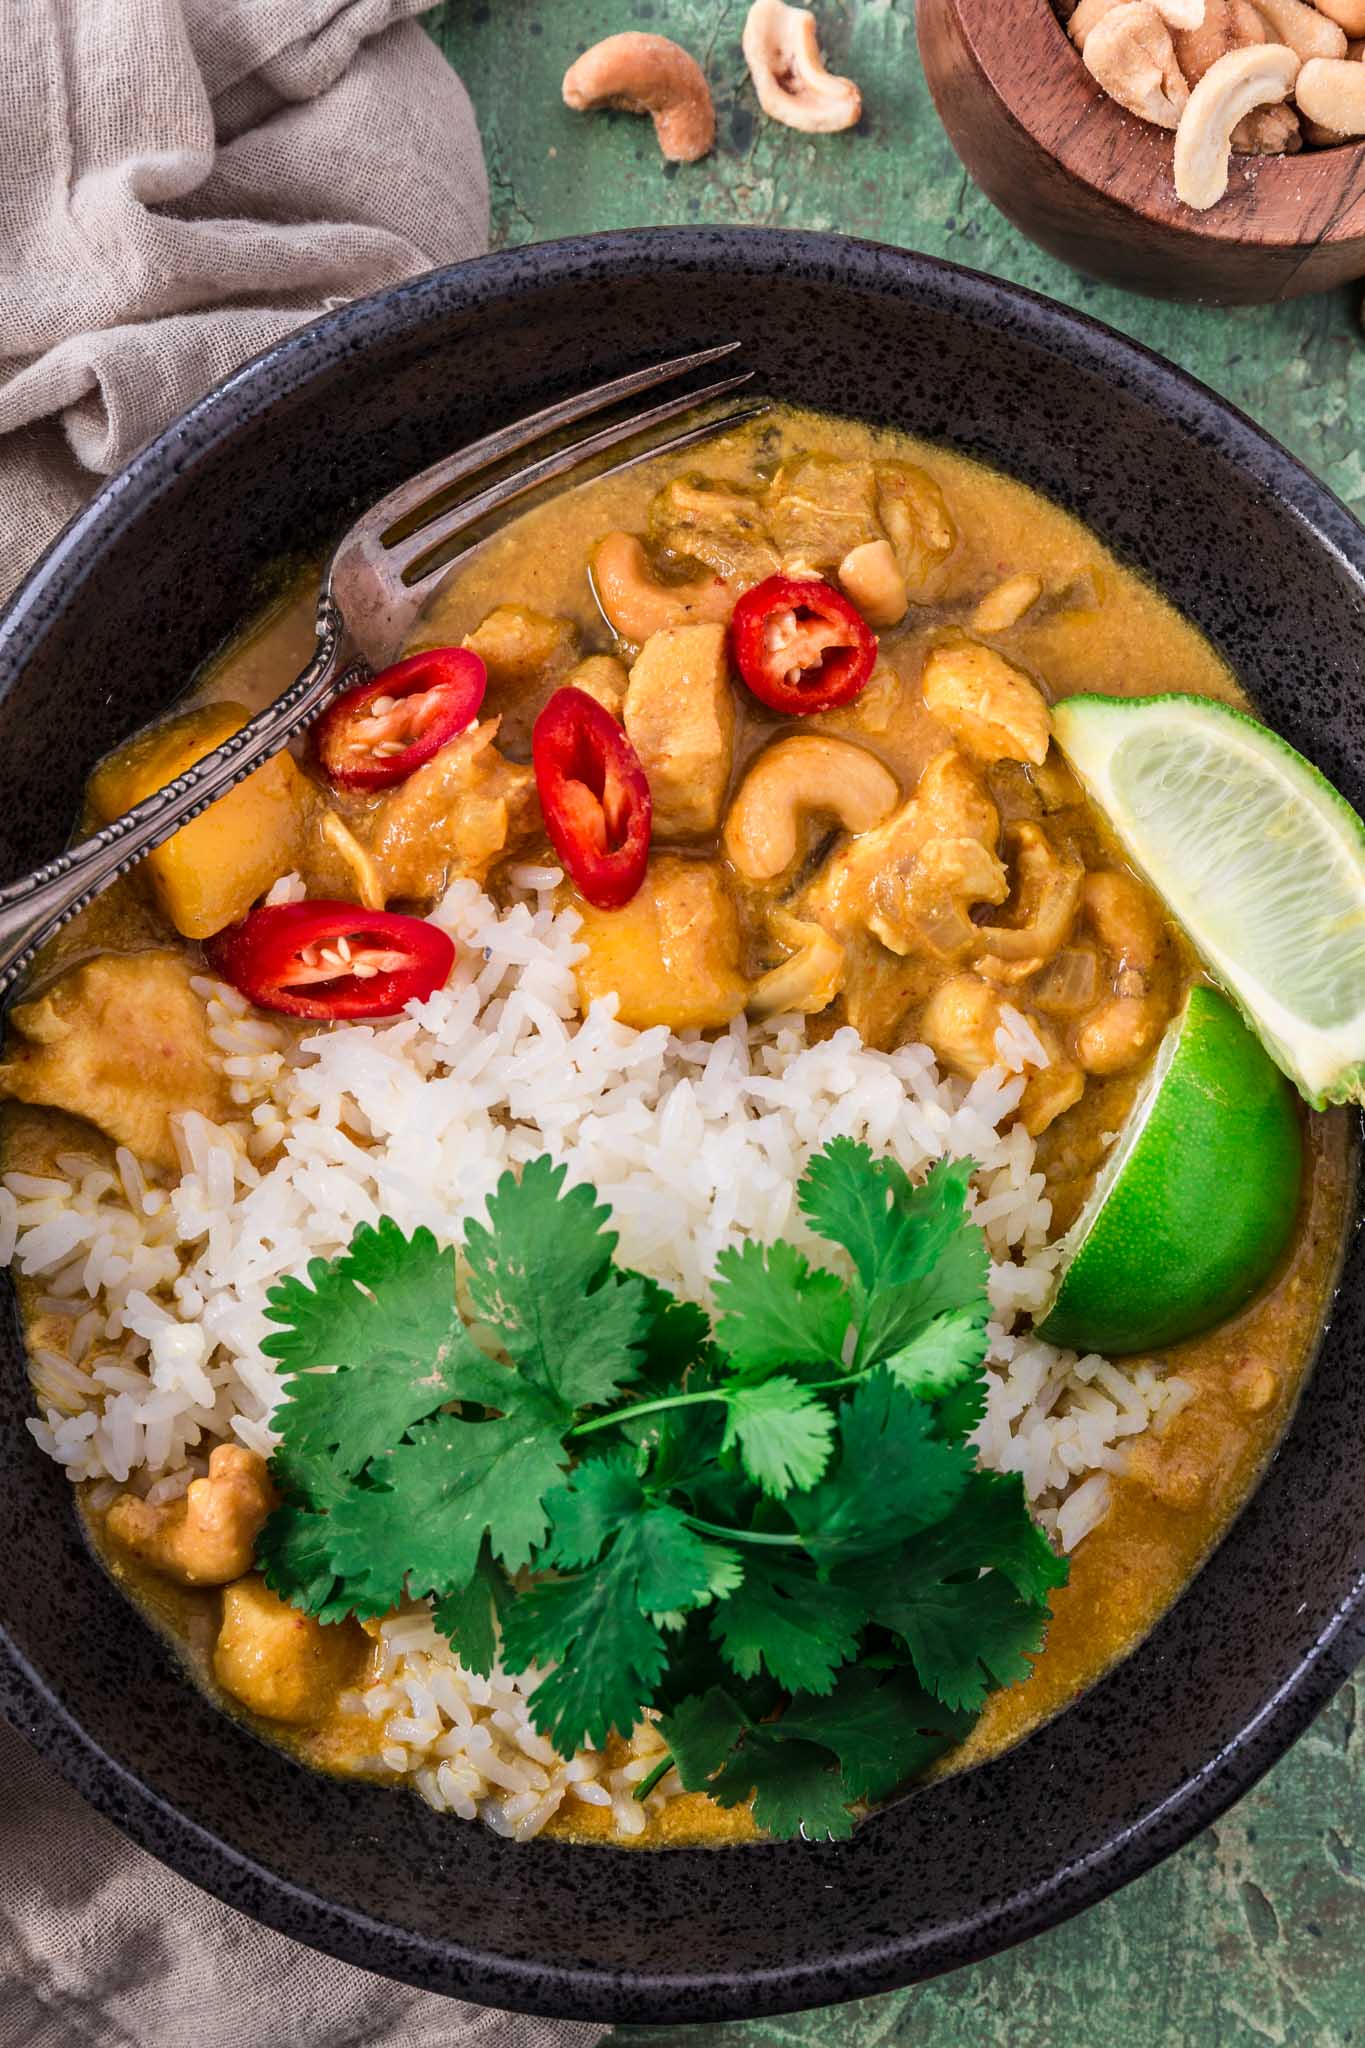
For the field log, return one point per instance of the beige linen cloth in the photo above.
(182, 182)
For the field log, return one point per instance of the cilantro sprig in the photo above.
(771, 1530)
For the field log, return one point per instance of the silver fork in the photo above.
(377, 582)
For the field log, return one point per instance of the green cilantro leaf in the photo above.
(540, 1275)
(598, 1627)
(990, 1527)
(916, 1252)
(892, 1476)
(884, 1729)
(420, 1526)
(942, 1355)
(469, 1617)
(964, 1633)
(368, 1347)
(784, 1433)
(776, 1309)
(700, 1733)
(959, 1412)
(783, 1620)
(796, 1791)
(293, 1556)
(677, 1333)
(892, 1230)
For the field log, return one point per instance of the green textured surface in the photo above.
(1256, 1931)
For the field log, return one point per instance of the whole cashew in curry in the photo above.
(794, 779)
(636, 605)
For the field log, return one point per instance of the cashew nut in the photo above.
(872, 577)
(782, 51)
(1227, 25)
(207, 1536)
(1270, 131)
(1126, 1025)
(1181, 14)
(1331, 91)
(647, 74)
(1004, 606)
(1130, 54)
(1347, 14)
(1229, 90)
(990, 706)
(809, 980)
(796, 776)
(635, 605)
(1307, 32)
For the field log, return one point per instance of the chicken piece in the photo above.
(720, 524)
(912, 881)
(519, 646)
(601, 677)
(454, 817)
(671, 956)
(208, 1536)
(989, 706)
(279, 1663)
(914, 516)
(820, 508)
(210, 872)
(124, 1042)
(680, 718)
(959, 1025)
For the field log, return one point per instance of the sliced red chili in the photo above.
(594, 796)
(331, 959)
(380, 733)
(800, 645)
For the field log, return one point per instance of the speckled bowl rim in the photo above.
(885, 1962)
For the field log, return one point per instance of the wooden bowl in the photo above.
(1093, 184)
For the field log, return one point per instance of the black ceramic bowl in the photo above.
(105, 634)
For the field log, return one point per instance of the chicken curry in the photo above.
(895, 845)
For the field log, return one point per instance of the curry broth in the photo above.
(1098, 627)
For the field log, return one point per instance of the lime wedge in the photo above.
(1191, 1211)
(1255, 854)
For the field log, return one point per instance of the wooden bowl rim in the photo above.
(1326, 184)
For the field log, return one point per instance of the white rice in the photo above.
(155, 1295)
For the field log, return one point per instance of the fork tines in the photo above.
(416, 523)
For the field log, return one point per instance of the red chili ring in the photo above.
(594, 796)
(800, 645)
(357, 963)
(424, 703)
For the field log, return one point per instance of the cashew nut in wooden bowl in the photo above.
(1095, 185)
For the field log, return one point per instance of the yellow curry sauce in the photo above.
(988, 549)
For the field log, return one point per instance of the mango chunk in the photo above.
(213, 870)
(671, 955)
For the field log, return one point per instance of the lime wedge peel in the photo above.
(1255, 854)
(1192, 1210)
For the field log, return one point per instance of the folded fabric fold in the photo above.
(181, 183)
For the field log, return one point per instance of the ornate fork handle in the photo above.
(38, 905)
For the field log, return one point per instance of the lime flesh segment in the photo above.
(1194, 1207)
(1255, 854)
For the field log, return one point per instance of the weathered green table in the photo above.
(1256, 1931)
